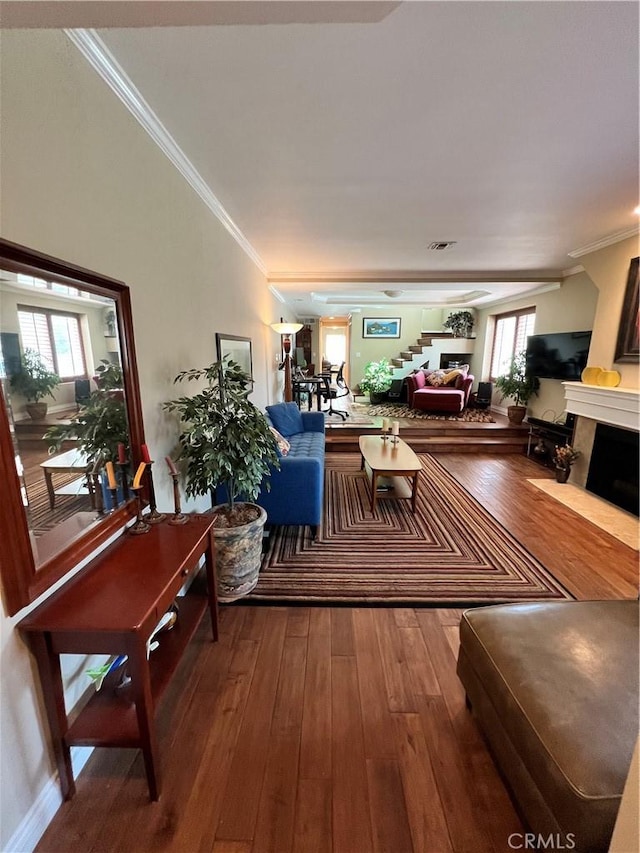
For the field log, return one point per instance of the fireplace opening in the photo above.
(613, 470)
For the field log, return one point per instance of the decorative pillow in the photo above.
(286, 418)
(419, 379)
(284, 446)
(436, 378)
(452, 376)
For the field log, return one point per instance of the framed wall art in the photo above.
(628, 343)
(381, 327)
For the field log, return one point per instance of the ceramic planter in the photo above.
(238, 556)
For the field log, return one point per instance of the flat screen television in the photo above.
(562, 355)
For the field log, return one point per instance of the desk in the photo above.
(72, 460)
(111, 607)
(317, 383)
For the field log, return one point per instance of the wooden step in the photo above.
(407, 356)
(397, 362)
(436, 444)
(416, 350)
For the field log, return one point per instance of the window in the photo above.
(510, 337)
(56, 336)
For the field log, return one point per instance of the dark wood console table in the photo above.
(546, 434)
(111, 607)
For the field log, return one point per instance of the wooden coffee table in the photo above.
(397, 463)
(69, 462)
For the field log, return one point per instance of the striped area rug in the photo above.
(451, 551)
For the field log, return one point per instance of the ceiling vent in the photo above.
(440, 245)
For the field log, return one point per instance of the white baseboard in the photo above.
(43, 810)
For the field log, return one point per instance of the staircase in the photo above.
(429, 346)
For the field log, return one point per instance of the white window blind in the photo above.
(509, 338)
(57, 337)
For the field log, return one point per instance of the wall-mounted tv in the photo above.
(562, 355)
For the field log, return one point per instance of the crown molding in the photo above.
(572, 271)
(102, 60)
(414, 277)
(605, 241)
(275, 292)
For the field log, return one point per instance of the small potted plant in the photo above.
(226, 441)
(34, 381)
(460, 323)
(563, 458)
(101, 424)
(519, 386)
(377, 380)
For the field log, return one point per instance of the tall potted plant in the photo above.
(226, 442)
(377, 379)
(460, 323)
(34, 381)
(519, 386)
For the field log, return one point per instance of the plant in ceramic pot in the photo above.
(563, 457)
(100, 425)
(460, 323)
(226, 441)
(517, 385)
(34, 381)
(377, 379)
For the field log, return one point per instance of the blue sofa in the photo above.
(297, 489)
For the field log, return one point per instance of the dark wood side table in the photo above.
(111, 607)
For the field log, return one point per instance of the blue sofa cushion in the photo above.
(286, 418)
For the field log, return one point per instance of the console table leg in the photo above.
(53, 694)
(209, 562)
(141, 683)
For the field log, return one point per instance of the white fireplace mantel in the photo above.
(616, 406)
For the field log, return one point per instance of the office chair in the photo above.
(82, 392)
(334, 392)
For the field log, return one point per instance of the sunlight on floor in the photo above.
(617, 522)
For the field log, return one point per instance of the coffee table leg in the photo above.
(374, 490)
(49, 482)
(414, 491)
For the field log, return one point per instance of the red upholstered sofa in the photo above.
(439, 390)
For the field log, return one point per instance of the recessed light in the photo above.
(637, 210)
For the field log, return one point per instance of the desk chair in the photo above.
(82, 392)
(333, 392)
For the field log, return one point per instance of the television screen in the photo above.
(558, 356)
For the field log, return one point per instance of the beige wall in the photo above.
(83, 182)
(569, 308)
(609, 270)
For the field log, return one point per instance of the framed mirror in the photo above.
(238, 349)
(59, 319)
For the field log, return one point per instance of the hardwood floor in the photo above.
(335, 729)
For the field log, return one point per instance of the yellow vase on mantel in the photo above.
(590, 375)
(609, 378)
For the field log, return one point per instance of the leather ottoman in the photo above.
(554, 688)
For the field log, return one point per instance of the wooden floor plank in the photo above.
(313, 833)
(389, 822)
(377, 722)
(350, 796)
(394, 663)
(315, 754)
(242, 795)
(424, 807)
(341, 632)
(276, 814)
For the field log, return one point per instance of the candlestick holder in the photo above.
(153, 516)
(140, 525)
(124, 479)
(394, 440)
(114, 498)
(385, 435)
(97, 492)
(178, 516)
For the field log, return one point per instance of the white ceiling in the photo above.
(343, 138)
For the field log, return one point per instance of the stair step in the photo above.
(416, 350)
(407, 356)
(425, 342)
(397, 362)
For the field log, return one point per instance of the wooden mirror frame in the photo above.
(22, 582)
